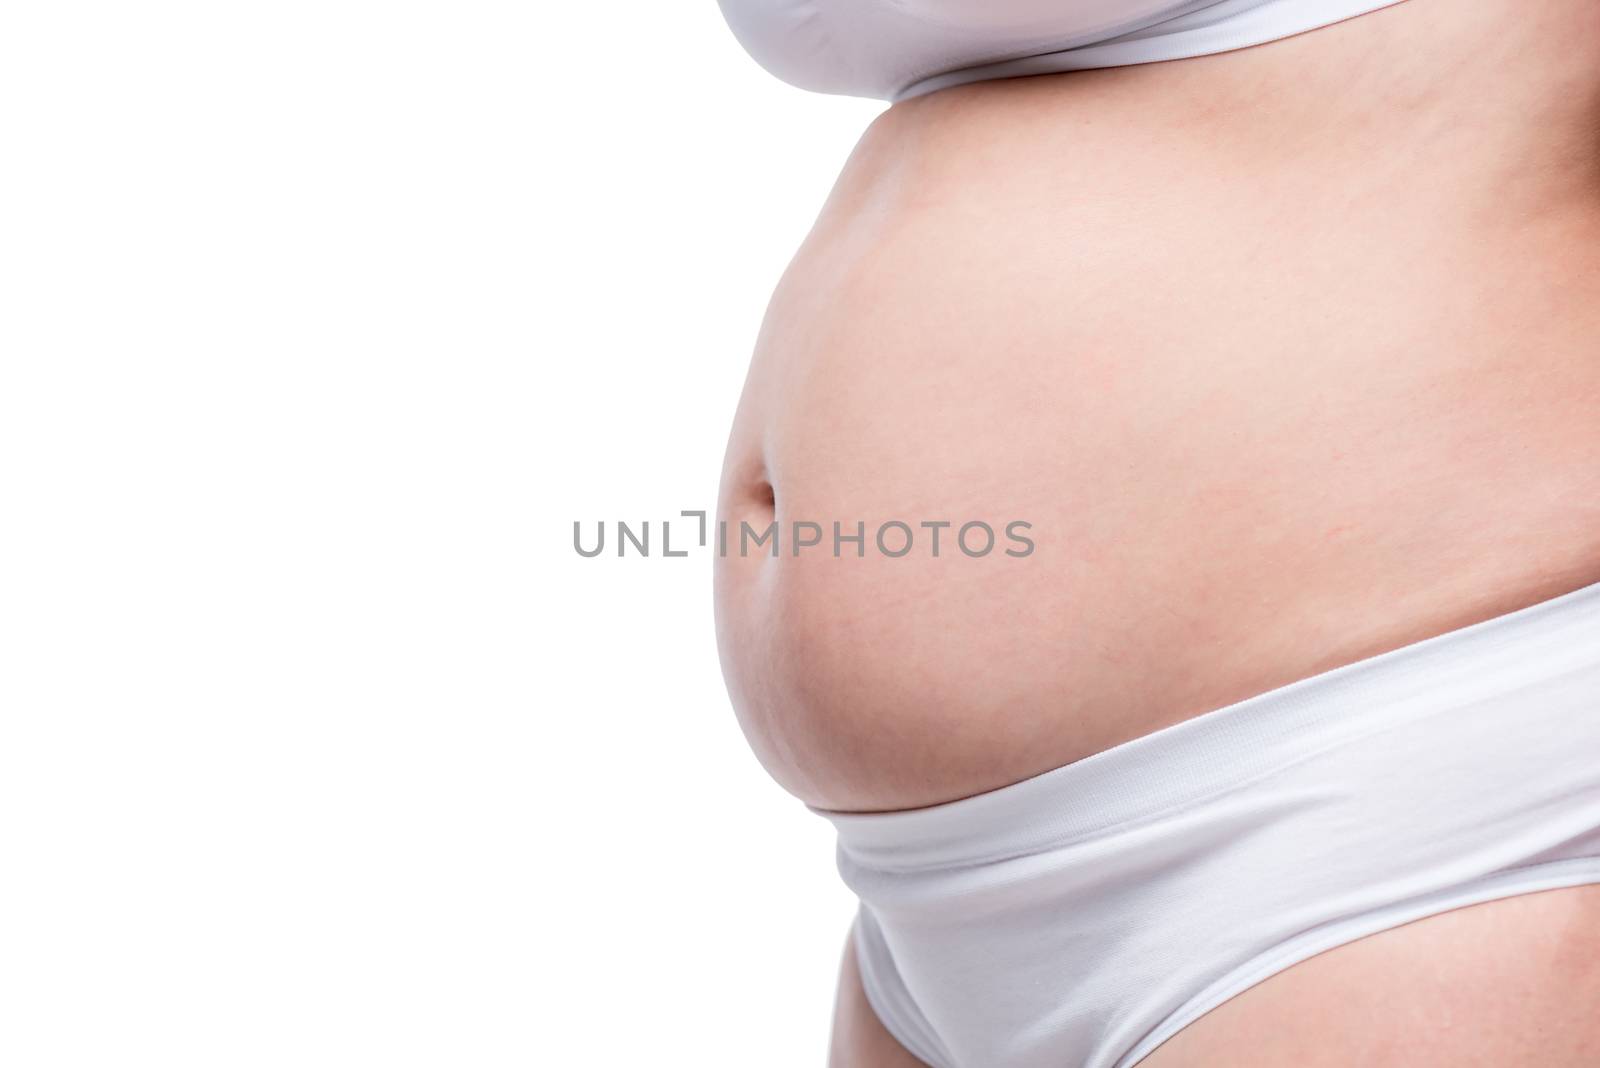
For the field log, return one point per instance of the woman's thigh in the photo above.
(1509, 982)
(859, 1039)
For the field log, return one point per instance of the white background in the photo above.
(320, 324)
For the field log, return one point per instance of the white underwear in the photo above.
(1083, 917)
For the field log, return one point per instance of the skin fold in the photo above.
(1289, 356)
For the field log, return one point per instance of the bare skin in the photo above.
(859, 1039)
(1289, 355)
(1511, 982)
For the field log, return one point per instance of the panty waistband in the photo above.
(1226, 749)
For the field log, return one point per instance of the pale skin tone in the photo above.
(1290, 355)
(1513, 982)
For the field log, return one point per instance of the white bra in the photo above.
(897, 49)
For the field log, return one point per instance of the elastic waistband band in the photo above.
(1227, 748)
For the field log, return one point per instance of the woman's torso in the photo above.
(1288, 356)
